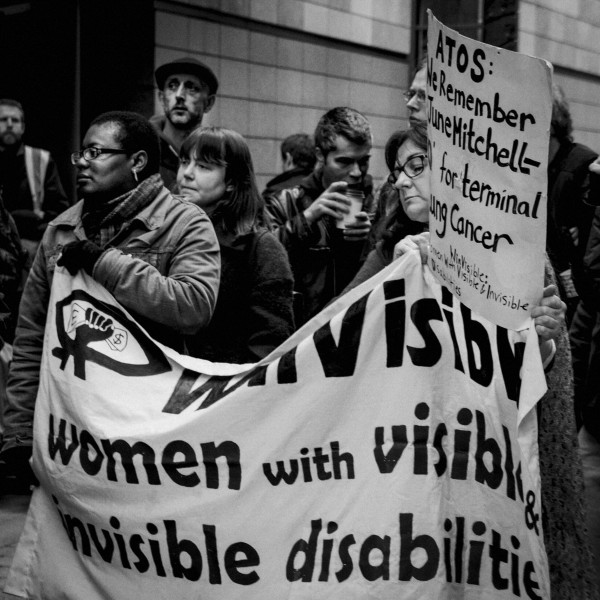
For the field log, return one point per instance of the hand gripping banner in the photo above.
(387, 450)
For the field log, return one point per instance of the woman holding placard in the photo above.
(410, 174)
(560, 465)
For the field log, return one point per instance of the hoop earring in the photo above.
(135, 175)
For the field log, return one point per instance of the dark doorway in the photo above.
(67, 61)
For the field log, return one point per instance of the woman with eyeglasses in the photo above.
(560, 465)
(254, 307)
(155, 253)
(408, 225)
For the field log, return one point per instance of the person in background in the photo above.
(569, 215)
(585, 343)
(254, 312)
(12, 259)
(323, 256)
(155, 253)
(29, 181)
(416, 95)
(298, 158)
(585, 329)
(563, 510)
(187, 90)
(569, 224)
(386, 198)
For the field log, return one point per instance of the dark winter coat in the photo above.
(18, 199)
(323, 263)
(567, 188)
(12, 259)
(285, 180)
(254, 312)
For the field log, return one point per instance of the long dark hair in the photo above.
(241, 210)
(398, 225)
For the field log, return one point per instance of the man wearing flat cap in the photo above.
(186, 89)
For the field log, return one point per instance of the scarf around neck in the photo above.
(102, 223)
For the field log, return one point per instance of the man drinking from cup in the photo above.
(317, 220)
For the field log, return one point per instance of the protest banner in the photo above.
(388, 449)
(489, 114)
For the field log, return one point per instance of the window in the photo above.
(490, 21)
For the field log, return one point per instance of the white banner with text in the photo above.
(388, 449)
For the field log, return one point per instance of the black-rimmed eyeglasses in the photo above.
(414, 166)
(93, 152)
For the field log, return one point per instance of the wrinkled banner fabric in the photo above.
(388, 449)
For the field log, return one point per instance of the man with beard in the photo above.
(187, 90)
(29, 183)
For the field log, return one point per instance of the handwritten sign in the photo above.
(488, 121)
(387, 450)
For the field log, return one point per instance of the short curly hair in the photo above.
(134, 133)
(344, 121)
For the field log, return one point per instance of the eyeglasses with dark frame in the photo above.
(92, 152)
(413, 167)
(410, 94)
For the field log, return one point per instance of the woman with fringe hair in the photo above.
(254, 311)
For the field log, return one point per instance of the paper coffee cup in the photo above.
(356, 198)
